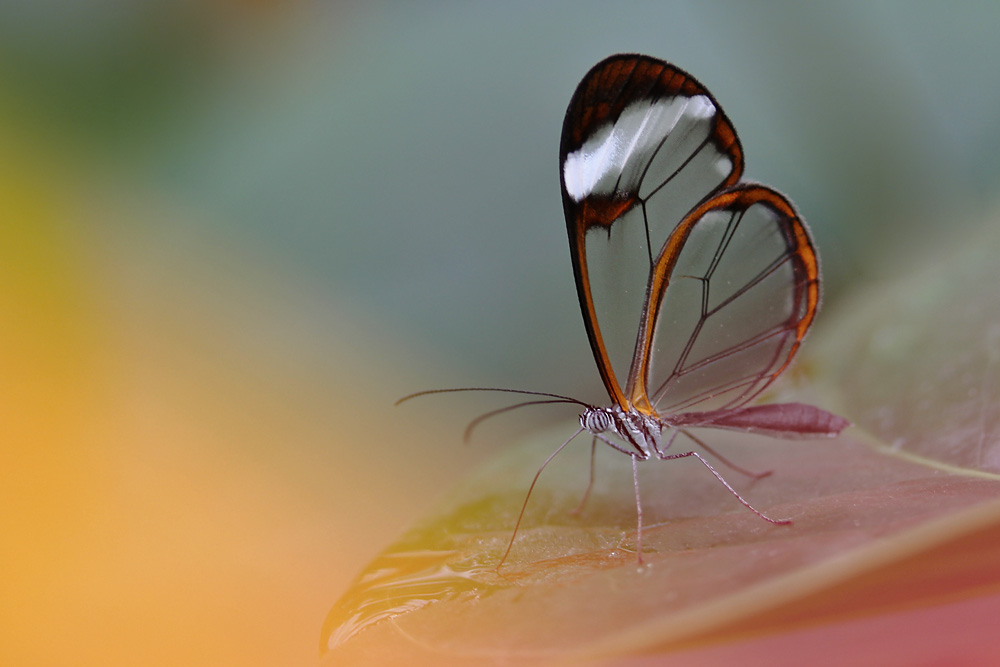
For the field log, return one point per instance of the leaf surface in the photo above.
(899, 512)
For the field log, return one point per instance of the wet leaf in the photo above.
(916, 367)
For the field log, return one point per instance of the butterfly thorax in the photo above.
(640, 431)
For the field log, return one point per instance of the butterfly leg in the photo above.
(638, 508)
(727, 462)
(531, 488)
(660, 450)
(613, 445)
(590, 485)
(636, 457)
(726, 484)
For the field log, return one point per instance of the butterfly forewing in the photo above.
(732, 294)
(643, 143)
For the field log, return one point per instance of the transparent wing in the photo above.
(732, 294)
(643, 143)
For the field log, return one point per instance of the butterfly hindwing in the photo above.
(732, 294)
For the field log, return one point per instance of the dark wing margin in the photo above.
(732, 294)
(636, 128)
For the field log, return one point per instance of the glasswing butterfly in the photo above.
(696, 286)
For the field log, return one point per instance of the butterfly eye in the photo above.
(596, 420)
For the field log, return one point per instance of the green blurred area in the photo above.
(401, 159)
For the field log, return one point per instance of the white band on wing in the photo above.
(616, 155)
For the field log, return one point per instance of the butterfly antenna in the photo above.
(427, 392)
(467, 435)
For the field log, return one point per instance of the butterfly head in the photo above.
(640, 431)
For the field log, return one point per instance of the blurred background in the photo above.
(233, 232)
